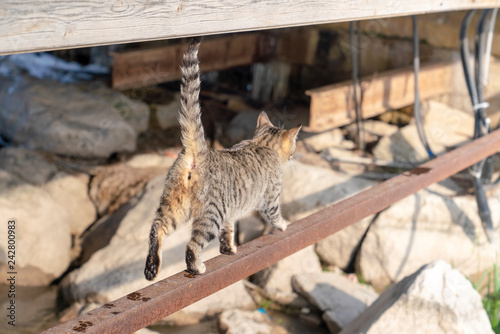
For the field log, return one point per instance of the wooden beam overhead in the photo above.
(139, 68)
(28, 26)
(332, 106)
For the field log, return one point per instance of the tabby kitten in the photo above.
(213, 188)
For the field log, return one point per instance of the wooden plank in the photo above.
(140, 68)
(332, 106)
(27, 26)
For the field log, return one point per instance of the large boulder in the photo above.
(277, 279)
(68, 190)
(113, 186)
(248, 322)
(42, 232)
(320, 141)
(232, 297)
(340, 248)
(71, 192)
(426, 227)
(435, 299)
(445, 128)
(341, 299)
(242, 126)
(134, 112)
(69, 119)
(167, 114)
(308, 189)
(48, 205)
(28, 165)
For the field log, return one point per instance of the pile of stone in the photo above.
(86, 228)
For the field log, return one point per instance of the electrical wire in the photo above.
(489, 42)
(355, 49)
(481, 124)
(419, 121)
(482, 121)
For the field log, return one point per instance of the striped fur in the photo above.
(192, 136)
(211, 189)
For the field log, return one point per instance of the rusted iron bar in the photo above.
(148, 305)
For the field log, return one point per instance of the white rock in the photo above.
(113, 186)
(247, 322)
(43, 239)
(340, 248)
(134, 112)
(146, 331)
(320, 141)
(71, 192)
(234, 296)
(342, 300)
(426, 227)
(167, 114)
(342, 160)
(64, 119)
(150, 160)
(277, 279)
(308, 189)
(242, 126)
(445, 128)
(249, 228)
(379, 128)
(435, 299)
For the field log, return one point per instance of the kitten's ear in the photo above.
(263, 120)
(292, 133)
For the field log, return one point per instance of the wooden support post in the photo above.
(332, 106)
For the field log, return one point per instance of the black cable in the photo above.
(481, 126)
(356, 83)
(465, 55)
(417, 113)
(361, 94)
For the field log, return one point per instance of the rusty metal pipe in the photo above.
(148, 305)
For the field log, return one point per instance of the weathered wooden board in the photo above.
(140, 68)
(332, 106)
(27, 26)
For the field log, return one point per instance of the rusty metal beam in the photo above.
(148, 305)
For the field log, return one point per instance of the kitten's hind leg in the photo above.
(204, 231)
(226, 239)
(271, 212)
(166, 222)
(153, 261)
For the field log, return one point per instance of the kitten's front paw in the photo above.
(228, 250)
(197, 270)
(281, 225)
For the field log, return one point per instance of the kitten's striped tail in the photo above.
(192, 136)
